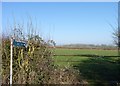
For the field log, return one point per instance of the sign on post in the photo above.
(19, 44)
(14, 43)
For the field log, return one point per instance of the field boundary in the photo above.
(85, 48)
(86, 55)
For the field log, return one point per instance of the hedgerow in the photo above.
(33, 64)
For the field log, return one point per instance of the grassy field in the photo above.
(92, 64)
(71, 60)
(61, 51)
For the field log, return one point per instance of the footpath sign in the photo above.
(19, 44)
(15, 44)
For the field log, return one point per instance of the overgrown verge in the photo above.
(34, 64)
(30, 64)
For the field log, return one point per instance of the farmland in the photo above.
(95, 65)
(64, 57)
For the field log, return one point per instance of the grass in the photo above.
(84, 51)
(63, 61)
(71, 60)
(99, 70)
(95, 70)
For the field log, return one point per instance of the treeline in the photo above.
(88, 46)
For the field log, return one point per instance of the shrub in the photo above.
(33, 64)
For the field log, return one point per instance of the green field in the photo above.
(71, 60)
(92, 64)
(61, 51)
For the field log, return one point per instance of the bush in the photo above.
(31, 65)
(34, 64)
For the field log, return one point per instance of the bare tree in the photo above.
(116, 39)
(118, 32)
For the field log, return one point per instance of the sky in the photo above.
(65, 22)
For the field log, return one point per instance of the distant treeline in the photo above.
(88, 46)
